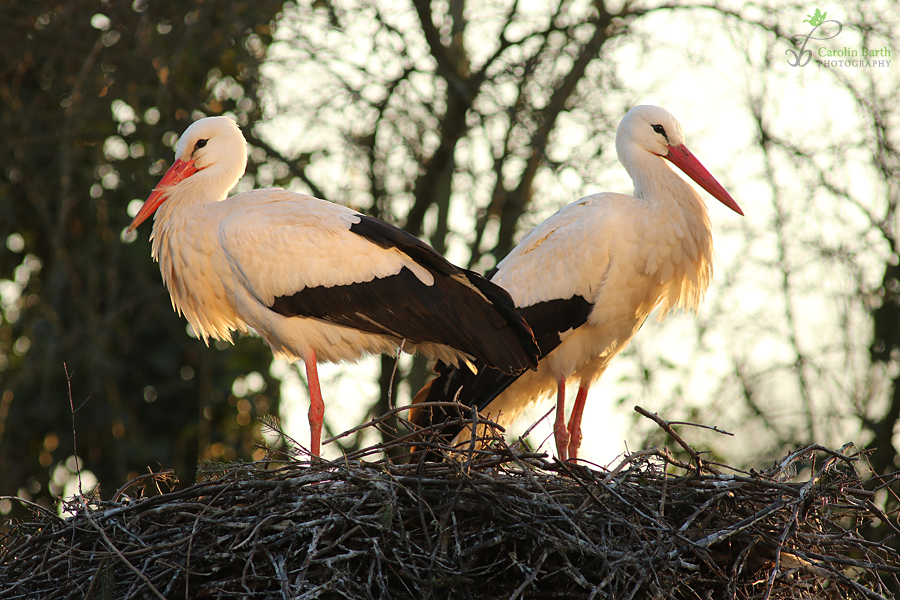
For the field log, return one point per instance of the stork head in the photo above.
(210, 158)
(653, 129)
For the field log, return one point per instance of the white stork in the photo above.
(316, 280)
(587, 277)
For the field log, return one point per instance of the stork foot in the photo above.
(574, 442)
(561, 434)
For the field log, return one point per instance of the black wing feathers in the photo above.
(547, 320)
(553, 317)
(450, 312)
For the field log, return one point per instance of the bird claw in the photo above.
(562, 441)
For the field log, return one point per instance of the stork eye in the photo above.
(200, 144)
(661, 131)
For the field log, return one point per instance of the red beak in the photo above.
(682, 158)
(180, 171)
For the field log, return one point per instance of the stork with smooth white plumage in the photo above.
(318, 281)
(587, 278)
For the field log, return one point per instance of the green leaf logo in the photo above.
(816, 19)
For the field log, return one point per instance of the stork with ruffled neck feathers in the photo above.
(587, 278)
(318, 281)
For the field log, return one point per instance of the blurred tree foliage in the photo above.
(93, 97)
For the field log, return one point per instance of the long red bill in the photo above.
(682, 158)
(181, 170)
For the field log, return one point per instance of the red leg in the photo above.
(559, 428)
(316, 404)
(575, 422)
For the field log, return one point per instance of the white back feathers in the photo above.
(313, 278)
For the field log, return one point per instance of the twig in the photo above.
(531, 577)
(138, 479)
(394, 412)
(668, 429)
(710, 427)
(86, 511)
(74, 436)
(520, 442)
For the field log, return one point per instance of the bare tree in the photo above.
(466, 123)
(805, 320)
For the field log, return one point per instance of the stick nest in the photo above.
(496, 522)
